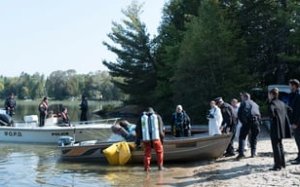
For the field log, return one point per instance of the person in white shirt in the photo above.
(214, 119)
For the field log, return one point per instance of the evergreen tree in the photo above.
(176, 14)
(135, 62)
(211, 61)
(266, 28)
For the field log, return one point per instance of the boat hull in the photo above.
(50, 135)
(175, 149)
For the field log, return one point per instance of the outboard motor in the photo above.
(5, 120)
(65, 140)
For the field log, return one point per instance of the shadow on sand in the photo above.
(218, 174)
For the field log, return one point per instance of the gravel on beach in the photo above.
(228, 172)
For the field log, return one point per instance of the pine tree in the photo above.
(135, 63)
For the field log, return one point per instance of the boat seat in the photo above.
(31, 119)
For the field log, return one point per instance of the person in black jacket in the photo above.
(228, 124)
(84, 108)
(249, 116)
(181, 123)
(10, 105)
(280, 127)
(294, 104)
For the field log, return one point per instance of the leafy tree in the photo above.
(56, 85)
(37, 86)
(135, 63)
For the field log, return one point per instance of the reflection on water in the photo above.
(40, 165)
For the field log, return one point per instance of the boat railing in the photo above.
(110, 121)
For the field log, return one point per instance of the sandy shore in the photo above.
(229, 172)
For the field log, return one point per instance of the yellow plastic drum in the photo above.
(118, 153)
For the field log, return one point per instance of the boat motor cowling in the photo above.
(65, 140)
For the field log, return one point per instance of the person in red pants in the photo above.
(150, 130)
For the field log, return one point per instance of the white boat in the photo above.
(29, 131)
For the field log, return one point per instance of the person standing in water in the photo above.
(149, 129)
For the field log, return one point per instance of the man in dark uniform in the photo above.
(84, 108)
(294, 103)
(249, 116)
(280, 128)
(228, 124)
(181, 123)
(10, 105)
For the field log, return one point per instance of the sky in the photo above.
(48, 35)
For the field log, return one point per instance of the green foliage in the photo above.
(135, 63)
(176, 14)
(267, 27)
(61, 85)
(211, 61)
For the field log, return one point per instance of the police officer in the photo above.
(279, 128)
(84, 108)
(249, 115)
(43, 109)
(228, 124)
(294, 103)
(149, 129)
(10, 105)
(181, 123)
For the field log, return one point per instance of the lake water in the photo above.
(40, 166)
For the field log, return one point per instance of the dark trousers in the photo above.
(297, 139)
(42, 119)
(182, 132)
(253, 128)
(278, 152)
(230, 149)
(83, 116)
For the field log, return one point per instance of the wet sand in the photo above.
(229, 172)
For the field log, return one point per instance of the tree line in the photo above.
(61, 85)
(204, 49)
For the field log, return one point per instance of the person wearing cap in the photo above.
(227, 124)
(294, 104)
(84, 108)
(279, 129)
(181, 123)
(249, 115)
(43, 109)
(149, 129)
